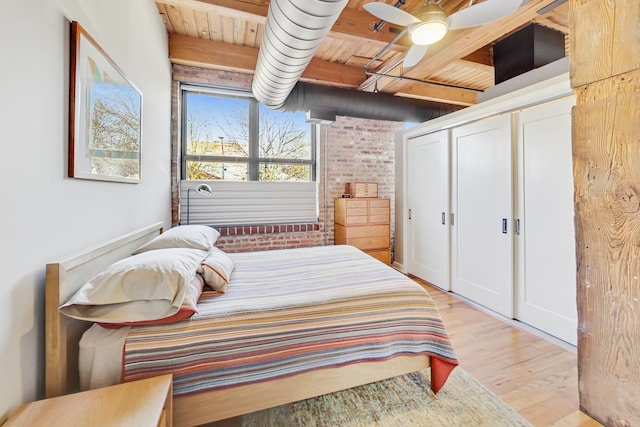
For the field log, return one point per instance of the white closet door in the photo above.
(546, 244)
(428, 201)
(482, 204)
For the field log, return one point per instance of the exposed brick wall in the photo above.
(263, 242)
(360, 150)
(350, 150)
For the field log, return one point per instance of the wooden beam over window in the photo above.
(212, 54)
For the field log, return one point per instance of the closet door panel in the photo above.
(428, 201)
(482, 252)
(546, 244)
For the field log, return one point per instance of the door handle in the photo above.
(504, 225)
(444, 218)
(517, 227)
(409, 213)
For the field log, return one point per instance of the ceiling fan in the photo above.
(431, 23)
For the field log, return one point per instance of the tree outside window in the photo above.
(236, 139)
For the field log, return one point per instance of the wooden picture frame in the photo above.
(105, 115)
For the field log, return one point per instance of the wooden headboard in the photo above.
(63, 279)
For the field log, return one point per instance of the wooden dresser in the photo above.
(365, 224)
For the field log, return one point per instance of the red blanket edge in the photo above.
(440, 370)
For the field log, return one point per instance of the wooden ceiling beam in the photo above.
(241, 9)
(439, 93)
(484, 56)
(323, 72)
(430, 91)
(460, 43)
(558, 18)
(357, 26)
(390, 68)
(213, 54)
(353, 24)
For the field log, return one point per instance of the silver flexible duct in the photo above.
(293, 32)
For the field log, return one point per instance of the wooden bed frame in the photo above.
(63, 334)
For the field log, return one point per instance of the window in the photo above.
(230, 137)
(261, 163)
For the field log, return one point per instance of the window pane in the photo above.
(284, 172)
(284, 135)
(216, 171)
(217, 126)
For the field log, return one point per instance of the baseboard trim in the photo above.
(512, 322)
(518, 324)
(400, 267)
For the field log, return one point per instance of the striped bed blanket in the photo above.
(292, 311)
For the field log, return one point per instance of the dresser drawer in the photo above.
(351, 211)
(379, 203)
(381, 255)
(379, 216)
(367, 231)
(357, 211)
(365, 224)
(355, 219)
(351, 204)
(361, 211)
(376, 242)
(379, 211)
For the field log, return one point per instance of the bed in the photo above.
(368, 327)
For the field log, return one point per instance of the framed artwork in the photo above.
(105, 111)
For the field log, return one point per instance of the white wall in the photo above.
(45, 215)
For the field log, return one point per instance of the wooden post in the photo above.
(605, 74)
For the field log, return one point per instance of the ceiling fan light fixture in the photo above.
(433, 25)
(428, 32)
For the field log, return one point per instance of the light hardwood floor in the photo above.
(532, 374)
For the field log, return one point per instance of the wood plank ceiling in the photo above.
(226, 34)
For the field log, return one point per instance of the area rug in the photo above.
(401, 401)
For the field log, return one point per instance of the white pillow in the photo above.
(147, 286)
(216, 270)
(200, 237)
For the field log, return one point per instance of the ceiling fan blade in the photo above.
(391, 14)
(415, 53)
(482, 13)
